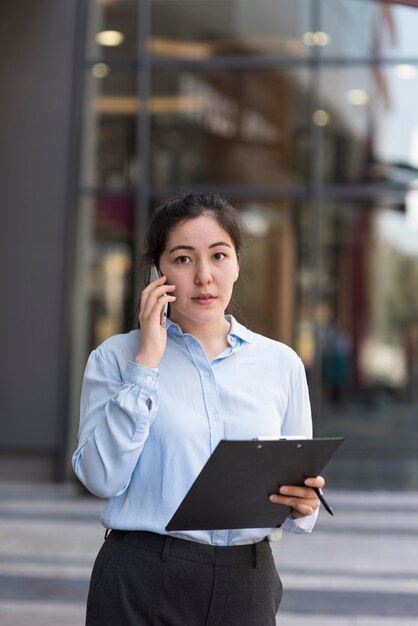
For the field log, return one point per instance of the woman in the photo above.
(155, 403)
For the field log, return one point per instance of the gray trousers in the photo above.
(145, 579)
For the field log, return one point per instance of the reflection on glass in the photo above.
(252, 126)
(372, 127)
(366, 28)
(104, 270)
(270, 275)
(395, 311)
(109, 288)
(109, 127)
(227, 126)
(107, 265)
(112, 29)
(396, 136)
(198, 29)
(369, 329)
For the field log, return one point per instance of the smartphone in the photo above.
(154, 275)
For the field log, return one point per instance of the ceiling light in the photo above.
(357, 97)
(320, 117)
(405, 71)
(309, 39)
(100, 70)
(321, 38)
(110, 38)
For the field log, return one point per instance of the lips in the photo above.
(204, 298)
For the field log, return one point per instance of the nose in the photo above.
(203, 275)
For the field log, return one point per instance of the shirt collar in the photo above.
(237, 329)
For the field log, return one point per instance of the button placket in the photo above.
(211, 397)
(209, 389)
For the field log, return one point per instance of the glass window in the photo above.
(108, 174)
(369, 329)
(227, 126)
(266, 290)
(109, 128)
(105, 266)
(251, 126)
(367, 28)
(396, 136)
(370, 123)
(111, 29)
(198, 29)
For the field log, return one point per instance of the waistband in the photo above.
(167, 546)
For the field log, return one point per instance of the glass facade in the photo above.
(225, 126)
(301, 112)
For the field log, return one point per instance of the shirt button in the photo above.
(215, 416)
(148, 379)
(206, 374)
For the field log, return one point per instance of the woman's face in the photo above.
(200, 260)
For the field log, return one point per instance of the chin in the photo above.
(196, 317)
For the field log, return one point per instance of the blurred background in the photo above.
(302, 112)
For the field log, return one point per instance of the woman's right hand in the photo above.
(153, 335)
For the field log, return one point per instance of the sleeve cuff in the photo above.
(141, 375)
(301, 525)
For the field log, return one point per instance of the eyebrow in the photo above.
(212, 245)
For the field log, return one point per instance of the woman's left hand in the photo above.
(303, 500)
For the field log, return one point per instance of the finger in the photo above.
(156, 290)
(150, 298)
(302, 506)
(298, 492)
(317, 481)
(303, 499)
(150, 288)
(153, 307)
(165, 299)
(303, 509)
(160, 292)
(153, 283)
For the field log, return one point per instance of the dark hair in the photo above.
(186, 207)
(179, 210)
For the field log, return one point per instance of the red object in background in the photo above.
(115, 212)
(409, 3)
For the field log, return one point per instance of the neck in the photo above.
(212, 337)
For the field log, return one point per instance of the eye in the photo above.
(218, 256)
(183, 259)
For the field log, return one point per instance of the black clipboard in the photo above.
(233, 488)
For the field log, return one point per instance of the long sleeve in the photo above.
(298, 421)
(145, 434)
(117, 410)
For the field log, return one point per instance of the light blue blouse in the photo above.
(145, 434)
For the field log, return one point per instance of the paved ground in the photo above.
(358, 568)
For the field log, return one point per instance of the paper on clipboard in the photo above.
(232, 490)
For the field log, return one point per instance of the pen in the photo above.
(322, 499)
